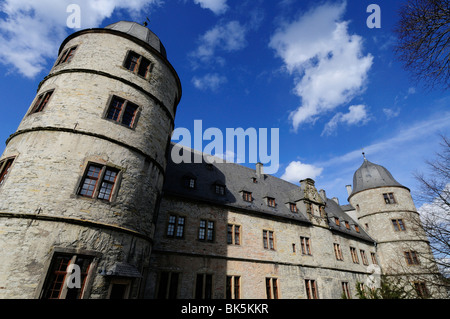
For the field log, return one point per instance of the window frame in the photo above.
(338, 252)
(6, 165)
(100, 179)
(168, 285)
(305, 244)
(125, 105)
(293, 207)
(233, 287)
(346, 289)
(311, 289)
(67, 55)
(389, 198)
(268, 239)
(208, 234)
(354, 254)
(205, 291)
(41, 101)
(247, 196)
(234, 234)
(176, 226)
(137, 68)
(271, 202)
(398, 224)
(272, 288)
(412, 259)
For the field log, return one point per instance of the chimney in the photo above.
(336, 200)
(323, 194)
(349, 189)
(259, 169)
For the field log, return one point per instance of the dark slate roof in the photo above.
(238, 178)
(334, 210)
(140, 32)
(371, 175)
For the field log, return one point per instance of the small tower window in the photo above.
(67, 56)
(122, 111)
(5, 166)
(398, 225)
(41, 102)
(389, 198)
(137, 64)
(98, 182)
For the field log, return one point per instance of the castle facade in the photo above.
(88, 188)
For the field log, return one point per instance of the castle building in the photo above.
(92, 206)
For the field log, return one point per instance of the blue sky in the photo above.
(313, 69)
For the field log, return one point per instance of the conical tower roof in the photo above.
(140, 32)
(370, 175)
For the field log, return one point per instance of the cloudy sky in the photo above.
(312, 69)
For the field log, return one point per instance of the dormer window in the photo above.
(293, 207)
(189, 181)
(247, 196)
(337, 222)
(347, 225)
(271, 202)
(219, 189)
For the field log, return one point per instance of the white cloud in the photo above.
(31, 31)
(209, 81)
(326, 60)
(357, 115)
(223, 37)
(297, 171)
(216, 6)
(391, 113)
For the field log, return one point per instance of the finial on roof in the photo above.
(146, 23)
(364, 155)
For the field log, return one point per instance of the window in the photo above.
(336, 221)
(122, 111)
(206, 230)
(357, 228)
(421, 289)
(411, 258)
(271, 201)
(346, 290)
(41, 102)
(233, 287)
(338, 252)
(347, 225)
(398, 225)
(306, 245)
(268, 240)
(203, 286)
(168, 285)
(98, 182)
(293, 207)
(247, 196)
(138, 64)
(364, 257)
(311, 289)
(67, 56)
(5, 167)
(219, 189)
(374, 258)
(233, 234)
(354, 255)
(272, 288)
(389, 198)
(175, 227)
(55, 286)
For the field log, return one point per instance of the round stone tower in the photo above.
(387, 211)
(81, 177)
